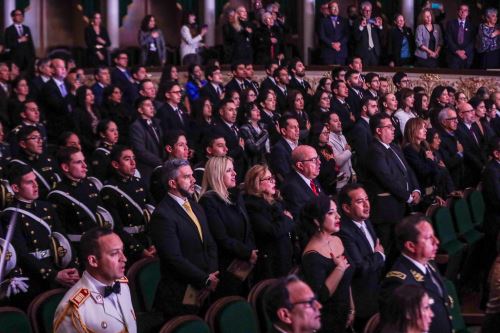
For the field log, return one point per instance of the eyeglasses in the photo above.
(310, 302)
(470, 110)
(452, 119)
(325, 133)
(314, 159)
(388, 126)
(176, 92)
(270, 179)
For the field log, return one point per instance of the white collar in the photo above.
(292, 144)
(177, 199)
(384, 144)
(366, 119)
(416, 263)
(228, 124)
(305, 179)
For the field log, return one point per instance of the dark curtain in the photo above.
(22, 4)
(89, 7)
(124, 9)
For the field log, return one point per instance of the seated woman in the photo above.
(230, 226)
(406, 107)
(297, 108)
(255, 135)
(408, 311)
(271, 223)
(114, 109)
(108, 137)
(324, 266)
(195, 82)
(328, 174)
(85, 118)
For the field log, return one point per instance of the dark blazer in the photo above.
(36, 85)
(396, 37)
(388, 183)
(354, 101)
(281, 100)
(209, 91)
(361, 38)
(98, 92)
(272, 235)
(149, 153)
(237, 44)
(368, 266)
(184, 258)
(234, 149)
(281, 159)
(452, 159)
(233, 85)
(305, 89)
(425, 169)
(343, 110)
(92, 43)
(170, 120)
(452, 44)
(263, 45)
(56, 108)
(4, 114)
(404, 272)
(270, 124)
(22, 54)
(267, 84)
(360, 138)
(127, 87)
(333, 33)
(296, 193)
(491, 192)
(82, 124)
(474, 155)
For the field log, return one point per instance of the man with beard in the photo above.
(297, 82)
(188, 254)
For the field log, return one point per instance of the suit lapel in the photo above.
(180, 211)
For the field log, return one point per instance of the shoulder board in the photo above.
(396, 274)
(122, 280)
(17, 129)
(80, 297)
(417, 276)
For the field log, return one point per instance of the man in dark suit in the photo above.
(4, 94)
(146, 139)
(364, 250)
(187, 252)
(19, 41)
(269, 82)
(390, 181)
(121, 77)
(213, 89)
(366, 33)
(339, 105)
(334, 36)
(235, 143)
(282, 80)
(171, 115)
(102, 80)
(469, 134)
(450, 148)
(414, 266)
(460, 35)
(56, 100)
(281, 152)
(291, 306)
(44, 74)
(238, 81)
(355, 85)
(360, 137)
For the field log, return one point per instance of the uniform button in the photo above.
(35, 241)
(32, 232)
(26, 224)
(129, 215)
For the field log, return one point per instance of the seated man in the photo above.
(292, 307)
(100, 301)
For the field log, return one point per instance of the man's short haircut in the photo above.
(370, 76)
(383, 78)
(292, 64)
(209, 139)
(350, 72)
(235, 64)
(270, 64)
(43, 61)
(116, 152)
(173, 136)
(141, 84)
(277, 297)
(336, 84)
(224, 103)
(277, 71)
(407, 230)
(140, 101)
(99, 69)
(170, 169)
(367, 99)
(169, 85)
(25, 132)
(16, 172)
(209, 71)
(396, 79)
(351, 59)
(283, 121)
(89, 244)
(344, 197)
(376, 121)
(117, 53)
(27, 101)
(13, 12)
(64, 154)
(136, 69)
(336, 71)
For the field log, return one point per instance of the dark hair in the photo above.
(312, 212)
(418, 90)
(145, 23)
(63, 138)
(403, 94)
(277, 71)
(322, 82)
(108, 91)
(263, 95)
(350, 72)
(191, 70)
(436, 93)
(81, 94)
(406, 230)
(117, 151)
(270, 64)
(235, 64)
(64, 154)
(336, 71)
(344, 195)
(350, 60)
(27, 101)
(277, 296)
(475, 101)
(398, 76)
(89, 243)
(366, 99)
(141, 84)
(419, 98)
(481, 91)
(103, 125)
(17, 80)
(283, 121)
(16, 172)
(98, 69)
(197, 108)
(292, 64)
(169, 85)
(13, 12)
(292, 95)
(140, 100)
(451, 90)
(403, 308)
(136, 69)
(26, 131)
(376, 120)
(247, 109)
(208, 140)
(43, 61)
(336, 84)
(172, 136)
(117, 53)
(209, 71)
(370, 76)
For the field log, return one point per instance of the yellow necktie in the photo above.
(193, 217)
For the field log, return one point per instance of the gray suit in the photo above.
(422, 38)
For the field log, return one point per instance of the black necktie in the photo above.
(429, 275)
(108, 290)
(150, 124)
(179, 113)
(235, 130)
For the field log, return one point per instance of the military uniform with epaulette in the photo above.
(100, 161)
(44, 168)
(405, 272)
(90, 306)
(77, 204)
(35, 245)
(128, 199)
(13, 140)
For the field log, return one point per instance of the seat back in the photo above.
(372, 326)
(13, 320)
(144, 277)
(185, 324)
(477, 207)
(462, 216)
(457, 322)
(443, 224)
(231, 314)
(42, 309)
(256, 300)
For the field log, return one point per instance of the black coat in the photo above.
(452, 44)
(170, 120)
(265, 51)
(127, 87)
(360, 138)
(281, 159)
(22, 54)
(184, 258)
(475, 156)
(396, 37)
(452, 159)
(56, 108)
(330, 33)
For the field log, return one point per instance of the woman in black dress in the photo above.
(271, 223)
(324, 265)
(97, 41)
(85, 118)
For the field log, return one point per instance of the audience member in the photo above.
(334, 36)
(281, 151)
(406, 110)
(237, 38)
(401, 43)
(460, 38)
(85, 118)
(366, 33)
(355, 85)
(99, 162)
(97, 41)
(151, 42)
(388, 105)
(254, 134)
(340, 103)
(268, 41)
(428, 40)
(191, 40)
(489, 40)
(19, 40)
(342, 151)
(282, 80)
(329, 172)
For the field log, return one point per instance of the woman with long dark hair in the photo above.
(85, 118)
(152, 43)
(114, 109)
(195, 82)
(191, 40)
(15, 103)
(97, 41)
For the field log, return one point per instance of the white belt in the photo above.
(42, 254)
(74, 238)
(134, 230)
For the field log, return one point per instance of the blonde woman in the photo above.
(271, 223)
(228, 221)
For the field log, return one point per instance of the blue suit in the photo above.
(452, 44)
(330, 32)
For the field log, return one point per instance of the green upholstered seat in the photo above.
(232, 314)
(443, 225)
(144, 276)
(477, 207)
(13, 320)
(257, 301)
(185, 324)
(458, 322)
(463, 222)
(42, 309)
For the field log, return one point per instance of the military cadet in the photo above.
(30, 116)
(126, 197)
(37, 228)
(76, 199)
(100, 301)
(31, 153)
(99, 161)
(415, 238)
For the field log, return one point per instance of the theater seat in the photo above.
(463, 222)
(144, 276)
(256, 300)
(372, 326)
(231, 314)
(185, 324)
(477, 208)
(42, 309)
(14, 320)
(458, 322)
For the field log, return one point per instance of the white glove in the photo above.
(17, 285)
